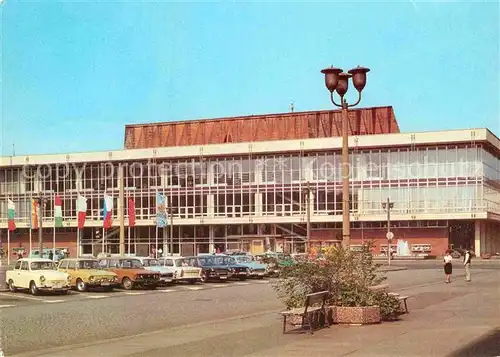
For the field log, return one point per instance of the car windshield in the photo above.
(88, 264)
(182, 263)
(244, 259)
(151, 263)
(43, 266)
(224, 260)
(130, 264)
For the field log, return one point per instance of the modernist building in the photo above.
(240, 183)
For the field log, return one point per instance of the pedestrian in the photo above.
(51, 255)
(448, 268)
(467, 260)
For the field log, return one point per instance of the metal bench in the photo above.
(315, 303)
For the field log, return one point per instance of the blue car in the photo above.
(256, 270)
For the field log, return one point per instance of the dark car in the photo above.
(236, 270)
(210, 270)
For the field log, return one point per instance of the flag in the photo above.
(57, 211)
(34, 214)
(107, 211)
(81, 207)
(131, 213)
(11, 213)
(161, 211)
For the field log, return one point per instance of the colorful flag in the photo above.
(107, 213)
(58, 212)
(161, 211)
(34, 214)
(11, 213)
(131, 213)
(81, 207)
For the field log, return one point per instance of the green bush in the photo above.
(346, 275)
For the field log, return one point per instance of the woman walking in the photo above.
(448, 269)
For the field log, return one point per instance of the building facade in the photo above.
(444, 186)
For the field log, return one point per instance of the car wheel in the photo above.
(81, 286)
(12, 288)
(204, 278)
(127, 283)
(33, 288)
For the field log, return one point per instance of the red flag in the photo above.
(131, 213)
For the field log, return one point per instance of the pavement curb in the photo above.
(387, 269)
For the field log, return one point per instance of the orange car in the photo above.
(131, 272)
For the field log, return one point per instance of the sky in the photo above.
(74, 73)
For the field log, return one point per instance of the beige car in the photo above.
(86, 273)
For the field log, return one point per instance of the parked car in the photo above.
(209, 269)
(37, 274)
(255, 269)
(86, 273)
(236, 270)
(131, 272)
(183, 270)
(152, 264)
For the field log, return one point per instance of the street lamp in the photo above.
(388, 205)
(337, 80)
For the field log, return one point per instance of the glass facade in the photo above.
(421, 180)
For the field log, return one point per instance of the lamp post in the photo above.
(388, 205)
(337, 80)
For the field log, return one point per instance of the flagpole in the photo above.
(156, 242)
(103, 237)
(8, 247)
(129, 238)
(30, 243)
(54, 236)
(77, 242)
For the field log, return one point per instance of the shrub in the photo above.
(346, 275)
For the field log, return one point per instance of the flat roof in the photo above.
(265, 147)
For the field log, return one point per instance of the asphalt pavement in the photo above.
(214, 319)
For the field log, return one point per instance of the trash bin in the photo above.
(3, 285)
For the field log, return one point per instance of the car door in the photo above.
(24, 275)
(16, 272)
(71, 270)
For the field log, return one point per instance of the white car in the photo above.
(152, 264)
(37, 274)
(183, 271)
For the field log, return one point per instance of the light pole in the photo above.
(388, 205)
(171, 230)
(337, 80)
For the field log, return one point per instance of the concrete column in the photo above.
(479, 238)
(210, 205)
(258, 204)
(211, 239)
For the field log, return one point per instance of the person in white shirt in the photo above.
(448, 268)
(467, 259)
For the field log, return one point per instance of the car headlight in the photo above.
(42, 278)
(91, 278)
(250, 270)
(69, 278)
(212, 269)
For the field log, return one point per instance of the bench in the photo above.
(402, 299)
(385, 288)
(315, 303)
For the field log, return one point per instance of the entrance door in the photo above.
(257, 246)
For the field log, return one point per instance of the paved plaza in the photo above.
(241, 319)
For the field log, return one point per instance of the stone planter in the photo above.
(355, 315)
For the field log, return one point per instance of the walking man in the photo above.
(467, 260)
